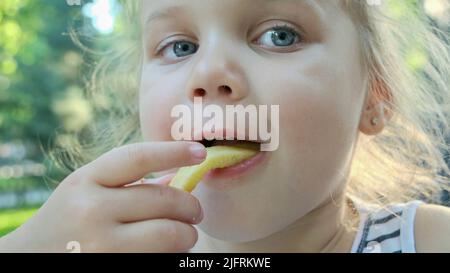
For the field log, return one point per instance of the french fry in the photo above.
(187, 178)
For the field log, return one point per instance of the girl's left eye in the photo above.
(280, 37)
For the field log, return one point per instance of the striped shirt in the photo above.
(386, 230)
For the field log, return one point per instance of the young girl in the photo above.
(362, 132)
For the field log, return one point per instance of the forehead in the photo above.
(153, 10)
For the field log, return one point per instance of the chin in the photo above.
(241, 229)
(236, 233)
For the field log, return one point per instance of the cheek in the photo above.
(318, 120)
(319, 101)
(313, 123)
(314, 103)
(154, 110)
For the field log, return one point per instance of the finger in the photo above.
(162, 180)
(144, 202)
(158, 235)
(126, 164)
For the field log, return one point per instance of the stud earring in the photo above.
(375, 121)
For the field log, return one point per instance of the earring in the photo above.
(375, 121)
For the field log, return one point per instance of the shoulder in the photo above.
(432, 228)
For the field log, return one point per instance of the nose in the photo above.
(217, 77)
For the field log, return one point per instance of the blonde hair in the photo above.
(407, 159)
(399, 164)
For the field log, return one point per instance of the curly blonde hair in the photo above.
(403, 162)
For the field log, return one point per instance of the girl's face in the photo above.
(301, 55)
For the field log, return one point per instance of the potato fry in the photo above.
(187, 178)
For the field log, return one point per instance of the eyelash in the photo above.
(285, 26)
(165, 45)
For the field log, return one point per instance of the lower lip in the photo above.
(227, 178)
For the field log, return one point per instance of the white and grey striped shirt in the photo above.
(386, 230)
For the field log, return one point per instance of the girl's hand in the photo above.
(93, 207)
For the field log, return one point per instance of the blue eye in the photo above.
(280, 36)
(179, 49)
(183, 48)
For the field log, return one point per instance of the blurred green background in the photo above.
(42, 76)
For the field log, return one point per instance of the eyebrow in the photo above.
(166, 13)
(171, 11)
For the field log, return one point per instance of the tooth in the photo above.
(187, 178)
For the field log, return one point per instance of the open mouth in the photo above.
(229, 173)
(240, 167)
(226, 159)
(240, 143)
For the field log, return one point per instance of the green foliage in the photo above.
(38, 64)
(41, 84)
(11, 219)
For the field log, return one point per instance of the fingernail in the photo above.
(200, 217)
(198, 151)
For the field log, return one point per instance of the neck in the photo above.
(321, 230)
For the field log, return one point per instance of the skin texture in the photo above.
(319, 84)
(433, 237)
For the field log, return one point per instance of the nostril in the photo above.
(199, 92)
(225, 89)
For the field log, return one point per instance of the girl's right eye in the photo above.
(177, 49)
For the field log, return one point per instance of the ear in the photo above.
(377, 111)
